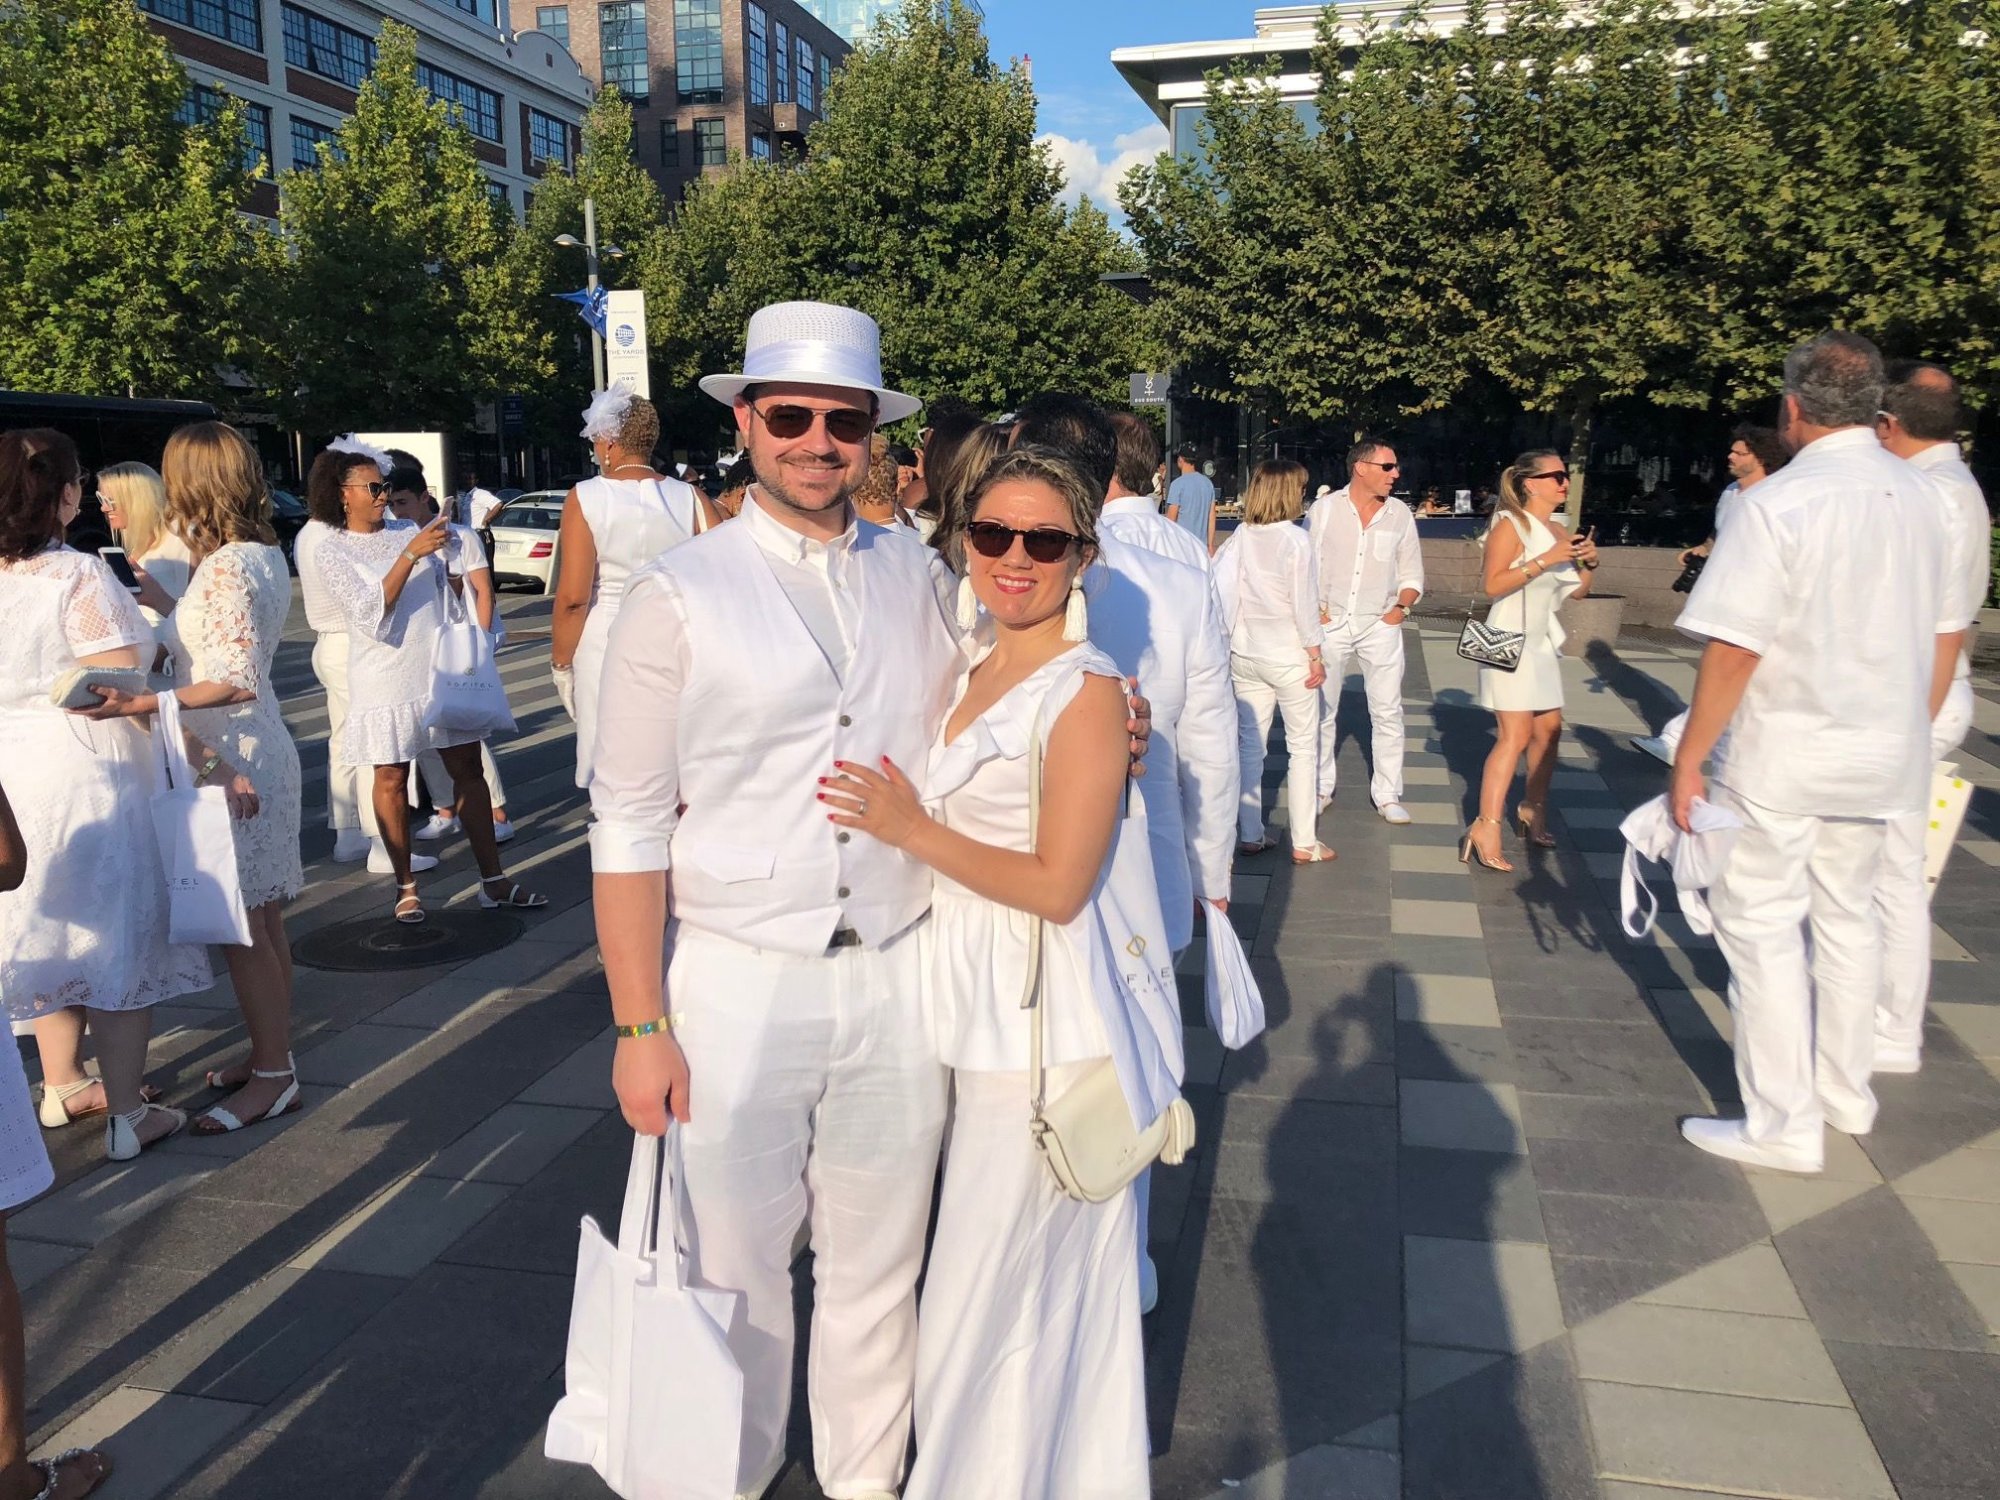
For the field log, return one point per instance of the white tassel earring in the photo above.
(1076, 616)
(966, 606)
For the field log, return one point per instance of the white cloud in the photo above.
(1097, 170)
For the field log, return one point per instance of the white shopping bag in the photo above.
(654, 1399)
(1944, 815)
(1235, 1004)
(197, 844)
(467, 699)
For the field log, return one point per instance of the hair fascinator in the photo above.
(606, 412)
(349, 443)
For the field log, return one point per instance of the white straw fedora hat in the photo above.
(814, 343)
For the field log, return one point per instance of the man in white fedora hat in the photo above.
(789, 1038)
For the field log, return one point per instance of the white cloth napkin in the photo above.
(1697, 859)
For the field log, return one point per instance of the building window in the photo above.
(319, 46)
(306, 136)
(548, 140)
(825, 78)
(203, 105)
(807, 96)
(497, 191)
(477, 109)
(670, 144)
(238, 22)
(782, 56)
(621, 42)
(757, 54)
(698, 51)
(553, 20)
(472, 8)
(711, 143)
(760, 147)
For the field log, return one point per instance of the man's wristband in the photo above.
(648, 1028)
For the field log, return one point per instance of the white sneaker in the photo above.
(1149, 1285)
(1846, 1123)
(1654, 746)
(438, 827)
(502, 832)
(349, 845)
(1394, 812)
(1725, 1138)
(378, 860)
(1897, 1059)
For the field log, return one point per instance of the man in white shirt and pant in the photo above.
(1822, 607)
(1130, 513)
(1371, 571)
(1920, 420)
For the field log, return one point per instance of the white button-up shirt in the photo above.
(1831, 571)
(1136, 521)
(1270, 592)
(1970, 569)
(1362, 569)
(323, 611)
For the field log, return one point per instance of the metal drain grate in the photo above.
(372, 944)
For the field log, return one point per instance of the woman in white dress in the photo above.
(86, 934)
(1030, 1380)
(135, 503)
(1532, 565)
(388, 579)
(612, 526)
(1268, 583)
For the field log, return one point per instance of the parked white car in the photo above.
(523, 545)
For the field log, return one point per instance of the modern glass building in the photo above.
(852, 18)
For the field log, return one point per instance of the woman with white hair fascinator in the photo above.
(612, 526)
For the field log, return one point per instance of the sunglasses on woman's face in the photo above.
(1560, 476)
(843, 424)
(375, 487)
(1044, 544)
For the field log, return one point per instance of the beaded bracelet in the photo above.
(648, 1028)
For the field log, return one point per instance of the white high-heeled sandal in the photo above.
(121, 1132)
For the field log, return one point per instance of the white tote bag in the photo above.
(1944, 815)
(467, 699)
(1235, 1004)
(197, 845)
(654, 1399)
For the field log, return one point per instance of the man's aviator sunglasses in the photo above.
(1044, 544)
(844, 424)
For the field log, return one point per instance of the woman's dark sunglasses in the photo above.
(375, 487)
(1045, 544)
(843, 423)
(1560, 476)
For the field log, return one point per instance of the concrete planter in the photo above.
(1595, 620)
(1984, 647)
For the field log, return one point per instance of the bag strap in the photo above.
(171, 743)
(1031, 997)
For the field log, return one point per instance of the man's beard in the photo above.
(770, 482)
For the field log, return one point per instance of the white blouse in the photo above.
(1268, 582)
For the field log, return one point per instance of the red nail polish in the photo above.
(822, 781)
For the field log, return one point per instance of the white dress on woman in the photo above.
(89, 926)
(1030, 1371)
(631, 521)
(1535, 686)
(226, 629)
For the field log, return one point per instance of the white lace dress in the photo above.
(226, 629)
(388, 650)
(90, 925)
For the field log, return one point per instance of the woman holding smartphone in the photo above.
(1532, 565)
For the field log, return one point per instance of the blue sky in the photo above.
(1093, 121)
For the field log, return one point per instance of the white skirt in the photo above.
(1031, 1377)
(24, 1161)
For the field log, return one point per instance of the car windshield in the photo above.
(528, 517)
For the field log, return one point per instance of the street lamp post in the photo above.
(591, 254)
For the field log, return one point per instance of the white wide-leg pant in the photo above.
(1903, 902)
(1030, 1369)
(1805, 1029)
(347, 787)
(1264, 688)
(437, 780)
(814, 1092)
(1378, 646)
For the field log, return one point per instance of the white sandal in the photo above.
(287, 1101)
(52, 1470)
(121, 1132)
(515, 897)
(1319, 854)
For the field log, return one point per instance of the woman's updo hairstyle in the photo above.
(1512, 496)
(36, 465)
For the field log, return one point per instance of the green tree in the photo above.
(395, 305)
(123, 257)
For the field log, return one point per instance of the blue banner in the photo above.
(589, 307)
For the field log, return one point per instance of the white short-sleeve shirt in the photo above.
(1971, 566)
(1832, 571)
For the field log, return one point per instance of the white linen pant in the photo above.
(437, 780)
(1030, 1367)
(1378, 646)
(814, 1092)
(1903, 901)
(1262, 688)
(347, 787)
(1805, 1028)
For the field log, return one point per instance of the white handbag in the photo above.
(1944, 815)
(197, 843)
(1235, 1003)
(467, 698)
(653, 1398)
(1087, 1134)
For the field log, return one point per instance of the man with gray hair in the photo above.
(1920, 420)
(1822, 607)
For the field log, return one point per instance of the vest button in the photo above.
(840, 838)
(843, 893)
(845, 721)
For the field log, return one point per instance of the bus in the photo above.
(106, 430)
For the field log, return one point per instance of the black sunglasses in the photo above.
(1560, 476)
(1392, 468)
(844, 424)
(1044, 544)
(375, 487)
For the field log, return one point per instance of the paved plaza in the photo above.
(1440, 1238)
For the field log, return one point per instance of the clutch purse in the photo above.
(1491, 646)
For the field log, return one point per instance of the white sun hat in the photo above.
(814, 343)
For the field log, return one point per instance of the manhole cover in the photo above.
(372, 943)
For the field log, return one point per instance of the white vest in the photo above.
(762, 717)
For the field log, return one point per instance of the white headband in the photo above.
(349, 443)
(606, 412)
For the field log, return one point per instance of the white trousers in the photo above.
(1903, 902)
(1262, 688)
(1378, 646)
(437, 780)
(815, 1094)
(347, 787)
(1030, 1365)
(1805, 1028)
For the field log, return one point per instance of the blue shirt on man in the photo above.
(1195, 497)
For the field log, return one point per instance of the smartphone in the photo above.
(121, 566)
